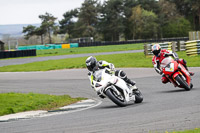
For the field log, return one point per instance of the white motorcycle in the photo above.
(116, 89)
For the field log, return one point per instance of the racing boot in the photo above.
(131, 84)
(130, 81)
(183, 62)
(191, 73)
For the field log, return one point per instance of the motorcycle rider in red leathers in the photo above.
(159, 55)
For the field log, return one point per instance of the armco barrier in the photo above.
(18, 53)
(193, 47)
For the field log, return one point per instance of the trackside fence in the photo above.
(193, 47)
(17, 53)
(148, 47)
(172, 46)
(49, 46)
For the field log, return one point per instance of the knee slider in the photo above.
(164, 80)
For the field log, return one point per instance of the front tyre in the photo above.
(183, 83)
(138, 96)
(119, 100)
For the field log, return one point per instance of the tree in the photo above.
(196, 11)
(127, 11)
(136, 20)
(48, 24)
(143, 23)
(172, 23)
(29, 31)
(149, 5)
(167, 13)
(111, 20)
(40, 32)
(67, 24)
(47, 27)
(150, 25)
(178, 27)
(87, 19)
(190, 9)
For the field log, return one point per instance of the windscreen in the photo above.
(166, 61)
(98, 74)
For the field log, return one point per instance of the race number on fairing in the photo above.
(170, 68)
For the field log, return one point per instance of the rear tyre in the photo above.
(119, 100)
(182, 82)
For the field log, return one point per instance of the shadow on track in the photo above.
(176, 91)
(115, 106)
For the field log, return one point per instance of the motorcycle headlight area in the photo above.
(170, 67)
(98, 77)
(97, 85)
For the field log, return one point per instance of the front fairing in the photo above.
(102, 79)
(165, 62)
(172, 69)
(168, 66)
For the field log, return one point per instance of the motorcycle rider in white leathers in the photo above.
(93, 65)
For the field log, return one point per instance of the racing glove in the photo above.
(158, 71)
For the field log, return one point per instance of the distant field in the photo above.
(97, 49)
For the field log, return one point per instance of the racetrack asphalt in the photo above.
(165, 108)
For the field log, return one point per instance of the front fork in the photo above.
(127, 92)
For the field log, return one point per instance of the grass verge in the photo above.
(119, 60)
(196, 130)
(18, 102)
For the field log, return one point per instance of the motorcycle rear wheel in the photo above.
(112, 96)
(183, 83)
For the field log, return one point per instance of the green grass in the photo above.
(119, 60)
(18, 102)
(96, 49)
(196, 130)
(192, 61)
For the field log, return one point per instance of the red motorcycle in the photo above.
(176, 73)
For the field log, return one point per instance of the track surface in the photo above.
(164, 108)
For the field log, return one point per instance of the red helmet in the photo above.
(156, 49)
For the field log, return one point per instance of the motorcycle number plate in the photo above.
(170, 68)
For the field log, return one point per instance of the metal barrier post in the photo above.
(173, 46)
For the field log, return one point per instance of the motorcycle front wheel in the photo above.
(119, 100)
(182, 82)
(138, 96)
